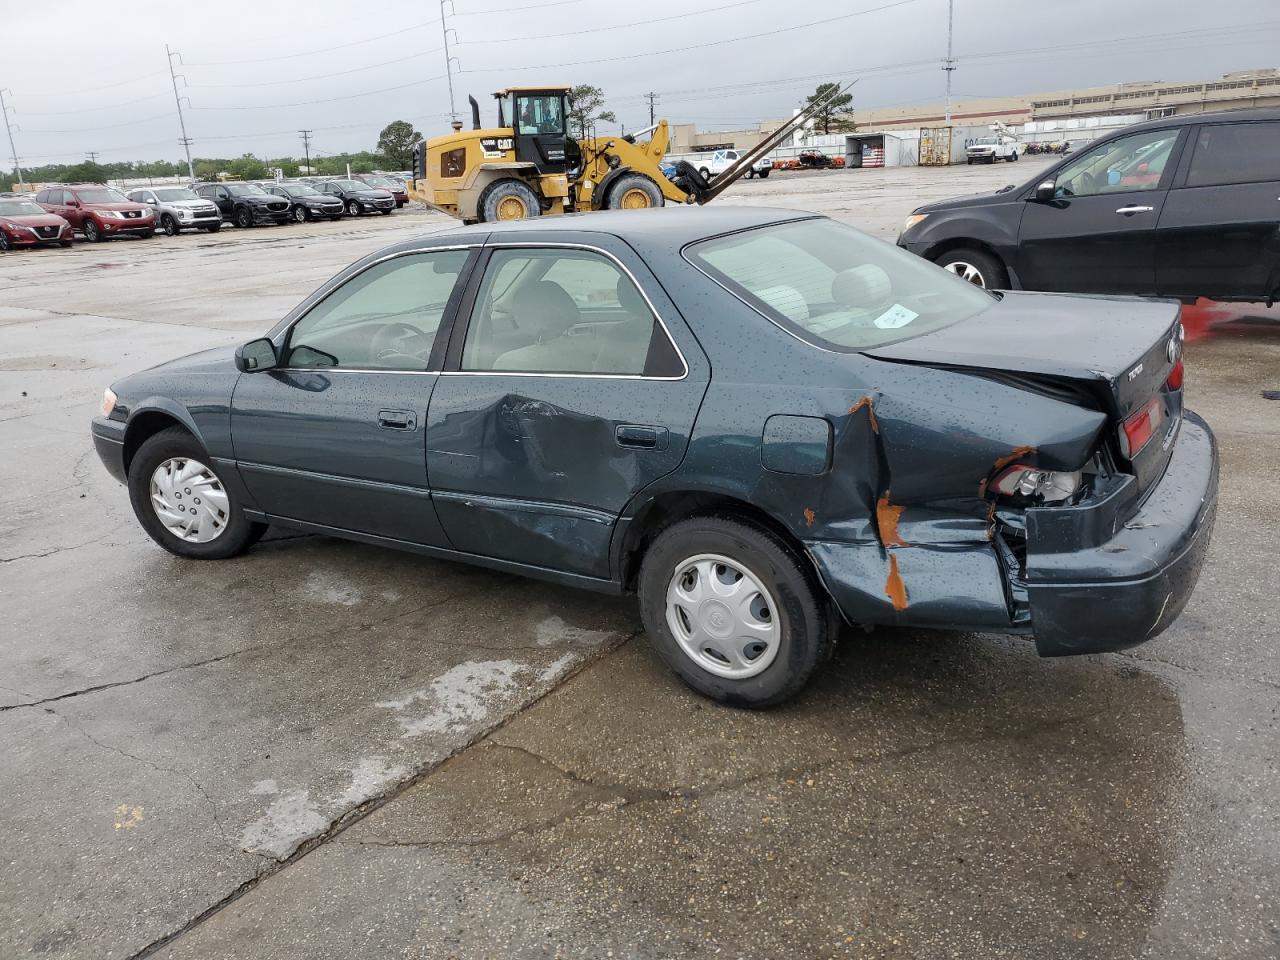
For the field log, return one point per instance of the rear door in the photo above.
(571, 386)
(1219, 233)
(1098, 233)
(334, 435)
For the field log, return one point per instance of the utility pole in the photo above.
(306, 146)
(93, 156)
(177, 100)
(8, 128)
(448, 60)
(652, 98)
(949, 64)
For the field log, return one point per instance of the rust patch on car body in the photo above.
(809, 516)
(1016, 454)
(887, 522)
(870, 403)
(894, 588)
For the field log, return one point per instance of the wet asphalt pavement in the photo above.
(243, 759)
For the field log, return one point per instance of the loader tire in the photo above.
(634, 191)
(508, 199)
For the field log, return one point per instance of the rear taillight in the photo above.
(1175, 376)
(1137, 431)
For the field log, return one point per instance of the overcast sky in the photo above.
(253, 75)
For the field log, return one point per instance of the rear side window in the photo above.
(1235, 153)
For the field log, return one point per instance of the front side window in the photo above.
(384, 318)
(564, 311)
(1135, 162)
(836, 287)
(1236, 153)
(540, 113)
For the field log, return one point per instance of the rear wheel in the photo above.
(183, 504)
(734, 611)
(244, 218)
(975, 266)
(91, 231)
(634, 191)
(169, 225)
(508, 200)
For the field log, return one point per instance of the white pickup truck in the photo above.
(721, 160)
(991, 149)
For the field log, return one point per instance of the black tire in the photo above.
(213, 227)
(91, 231)
(497, 201)
(146, 234)
(169, 225)
(750, 173)
(173, 443)
(765, 173)
(385, 213)
(1014, 158)
(353, 209)
(335, 219)
(64, 244)
(634, 191)
(706, 174)
(301, 214)
(5, 243)
(808, 626)
(244, 218)
(994, 274)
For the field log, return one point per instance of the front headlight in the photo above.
(913, 220)
(1037, 486)
(184, 214)
(108, 401)
(110, 214)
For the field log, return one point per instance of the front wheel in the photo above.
(91, 232)
(300, 214)
(765, 173)
(213, 227)
(64, 244)
(353, 208)
(634, 191)
(244, 218)
(183, 504)
(734, 611)
(385, 213)
(169, 225)
(5, 243)
(146, 234)
(975, 266)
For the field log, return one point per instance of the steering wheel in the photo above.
(385, 341)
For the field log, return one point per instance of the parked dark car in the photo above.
(358, 198)
(306, 202)
(98, 212)
(24, 223)
(245, 204)
(393, 186)
(1185, 206)
(760, 420)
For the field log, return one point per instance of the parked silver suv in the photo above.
(178, 208)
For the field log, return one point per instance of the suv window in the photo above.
(1236, 153)
(564, 311)
(1135, 162)
(384, 318)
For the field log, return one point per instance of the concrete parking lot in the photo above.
(322, 749)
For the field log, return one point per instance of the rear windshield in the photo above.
(836, 287)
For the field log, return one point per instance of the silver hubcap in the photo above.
(189, 500)
(723, 617)
(967, 272)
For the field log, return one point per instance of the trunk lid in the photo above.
(1117, 349)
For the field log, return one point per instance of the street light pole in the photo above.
(949, 65)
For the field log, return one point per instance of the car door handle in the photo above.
(1134, 209)
(641, 437)
(397, 419)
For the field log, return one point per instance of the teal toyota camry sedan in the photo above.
(762, 422)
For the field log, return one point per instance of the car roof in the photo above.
(1218, 116)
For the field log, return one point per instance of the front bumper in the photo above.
(108, 440)
(110, 227)
(1127, 589)
(376, 204)
(28, 240)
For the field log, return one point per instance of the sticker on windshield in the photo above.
(895, 316)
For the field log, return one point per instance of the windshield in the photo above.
(101, 195)
(985, 141)
(299, 190)
(378, 182)
(351, 185)
(21, 208)
(836, 287)
(175, 193)
(245, 190)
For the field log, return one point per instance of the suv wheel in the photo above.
(732, 609)
(244, 217)
(183, 504)
(91, 231)
(169, 225)
(353, 208)
(300, 214)
(975, 266)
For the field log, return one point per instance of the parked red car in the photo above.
(392, 185)
(99, 212)
(24, 223)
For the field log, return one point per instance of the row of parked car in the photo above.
(54, 215)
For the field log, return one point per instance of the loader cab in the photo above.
(538, 116)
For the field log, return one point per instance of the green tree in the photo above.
(247, 167)
(585, 102)
(395, 142)
(207, 169)
(835, 115)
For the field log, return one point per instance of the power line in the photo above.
(98, 107)
(531, 6)
(616, 26)
(308, 103)
(96, 87)
(109, 126)
(318, 76)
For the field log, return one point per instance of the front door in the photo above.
(334, 435)
(1219, 234)
(1098, 233)
(573, 386)
(540, 130)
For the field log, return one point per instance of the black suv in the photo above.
(357, 197)
(1183, 207)
(306, 202)
(245, 204)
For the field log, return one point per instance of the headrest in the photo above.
(863, 288)
(546, 310)
(788, 301)
(630, 299)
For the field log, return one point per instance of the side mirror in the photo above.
(256, 355)
(1046, 190)
(73, 203)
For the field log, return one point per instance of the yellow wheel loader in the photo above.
(529, 165)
